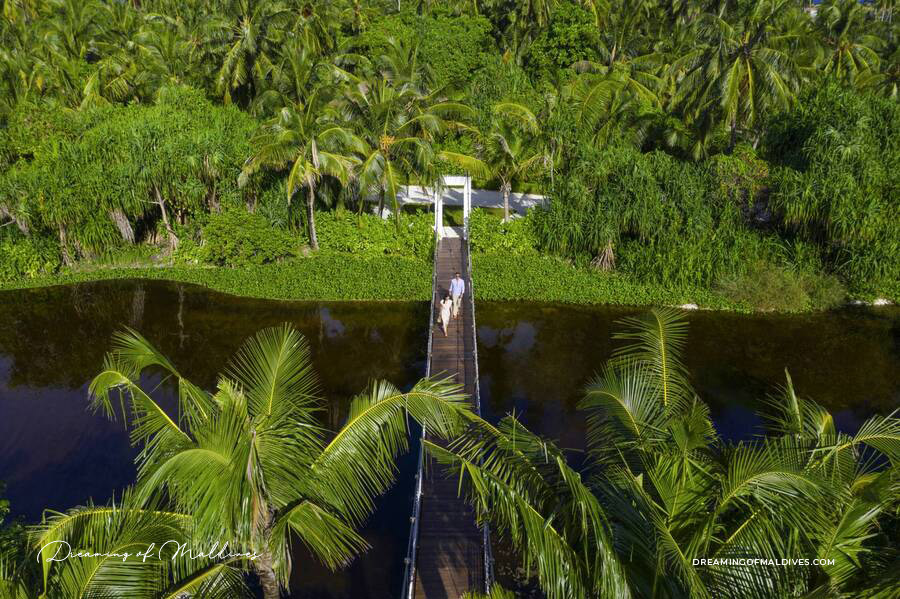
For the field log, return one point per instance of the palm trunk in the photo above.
(173, 240)
(506, 188)
(267, 579)
(64, 245)
(311, 216)
(381, 204)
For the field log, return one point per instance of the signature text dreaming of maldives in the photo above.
(62, 551)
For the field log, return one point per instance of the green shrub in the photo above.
(451, 46)
(838, 181)
(370, 235)
(572, 36)
(824, 291)
(27, 257)
(236, 237)
(764, 286)
(488, 233)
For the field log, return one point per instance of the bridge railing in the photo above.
(488, 556)
(409, 570)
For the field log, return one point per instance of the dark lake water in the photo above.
(534, 360)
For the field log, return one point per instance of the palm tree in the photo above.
(850, 50)
(250, 36)
(661, 490)
(511, 147)
(308, 138)
(398, 124)
(740, 70)
(112, 531)
(251, 464)
(618, 103)
(521, 21)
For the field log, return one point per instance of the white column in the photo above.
(438, 213)
(467, 204)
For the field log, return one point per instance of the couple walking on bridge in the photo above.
(452, 301)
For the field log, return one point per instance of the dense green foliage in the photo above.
(837, 183)
(449, 48)
(658, 491)
(324, 276)
(500, 277)
(92, 177)
(236, 237)
(369, 235)
(701, 145)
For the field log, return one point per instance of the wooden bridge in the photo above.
(448, 553)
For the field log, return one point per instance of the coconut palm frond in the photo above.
(133, 354)
(531, 531)
(327, 537)
(657, 341)
(359, 463)
(275, 371)
(473, 166)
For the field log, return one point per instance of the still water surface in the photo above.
(534, 360)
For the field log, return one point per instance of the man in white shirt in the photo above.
(457, 289)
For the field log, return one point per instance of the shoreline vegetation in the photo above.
(671, 175)
(363, 257)
(346, 277)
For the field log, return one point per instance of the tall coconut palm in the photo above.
(308, 139)
(661, 490)
(251, 464)
(741, 69)
(512, 148)
(250, 35)
(850, 49)
(399, 124)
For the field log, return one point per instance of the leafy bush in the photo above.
(94, 176)
(547, 279)
(236, 237)
(368, 234)
(452, 47)
(838, 181)
(571, 37)
(27, 257)
(664, 219)
(488, 233)
(764, 286)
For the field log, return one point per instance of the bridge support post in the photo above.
(467, 204)
(438, 212)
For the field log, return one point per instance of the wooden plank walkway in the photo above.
(450, 555)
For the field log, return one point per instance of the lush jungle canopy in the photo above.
(749, 147)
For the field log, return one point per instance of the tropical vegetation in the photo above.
(659, 491)
(673, 140)
(250, 464)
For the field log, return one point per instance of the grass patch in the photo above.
(499, 277)
(323, 276)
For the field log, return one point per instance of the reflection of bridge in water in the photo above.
(448, 553)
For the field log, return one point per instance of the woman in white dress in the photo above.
(446, 307)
